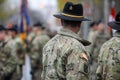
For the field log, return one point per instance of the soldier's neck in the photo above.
(38, 33)
(72, 29)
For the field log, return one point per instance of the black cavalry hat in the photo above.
(2, 28)
(115, 24)
(72, 12)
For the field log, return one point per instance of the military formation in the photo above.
(66, 56)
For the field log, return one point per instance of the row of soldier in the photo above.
(13, 50)
(66, 56)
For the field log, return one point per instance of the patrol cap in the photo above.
(39, 24)
(115, 24)
(13, 28)
(2, 28)
(92, 24)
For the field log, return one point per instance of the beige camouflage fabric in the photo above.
(18, 51)
(36, 54)
(100, 39)
(8, 62)
(65, 58)
(92, 38)
(109, 59)
(31, 36)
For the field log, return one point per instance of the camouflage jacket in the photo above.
(99, 41)
(18, 50)
(92, 38)
(104, 60)
(7, 60)
(31, 36)
(36, 49)
(65, 58)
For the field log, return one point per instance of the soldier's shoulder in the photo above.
(113, 40)
(42, 37)
(68, 42)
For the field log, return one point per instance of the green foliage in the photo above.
(3, 14)
(1, 1)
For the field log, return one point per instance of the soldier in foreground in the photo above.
(36, 50)
(8, 63)
(64, 56)
(109, 58)
(18, 51)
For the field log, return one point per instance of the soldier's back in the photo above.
(18, 50)
(64, 57)
(36, 54)
(109, 60)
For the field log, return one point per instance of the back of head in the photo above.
(72, 24)
(92, 24)
(39, 25)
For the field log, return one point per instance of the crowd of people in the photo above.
(66, 56)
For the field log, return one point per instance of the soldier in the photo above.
(92, 35)
(100, 38)
(36, 50)
(18, 51)
(109, 57)
(8, 62)
(64, 56)
(31, 35)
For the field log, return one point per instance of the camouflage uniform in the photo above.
(106, 70)
(18, 51)
(65, 58)
(31, 36)
(36, 54)
(92, 38)
(100, 38)
(8, 62)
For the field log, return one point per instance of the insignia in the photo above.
(84, 56)
(71, 8)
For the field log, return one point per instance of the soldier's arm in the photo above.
(9, 65)
(77, 67)
(102, 62)
(20, 52)
(35, 52)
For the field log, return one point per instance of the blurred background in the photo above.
(43, 10)
(25, 13)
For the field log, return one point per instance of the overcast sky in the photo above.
(34, 4)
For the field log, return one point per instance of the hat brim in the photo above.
(114, 25)
(60, 16)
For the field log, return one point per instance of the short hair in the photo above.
(70, 23)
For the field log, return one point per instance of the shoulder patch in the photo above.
(84, 56)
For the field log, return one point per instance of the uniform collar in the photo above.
(117, 34)
(7, 39)
(73, 35)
